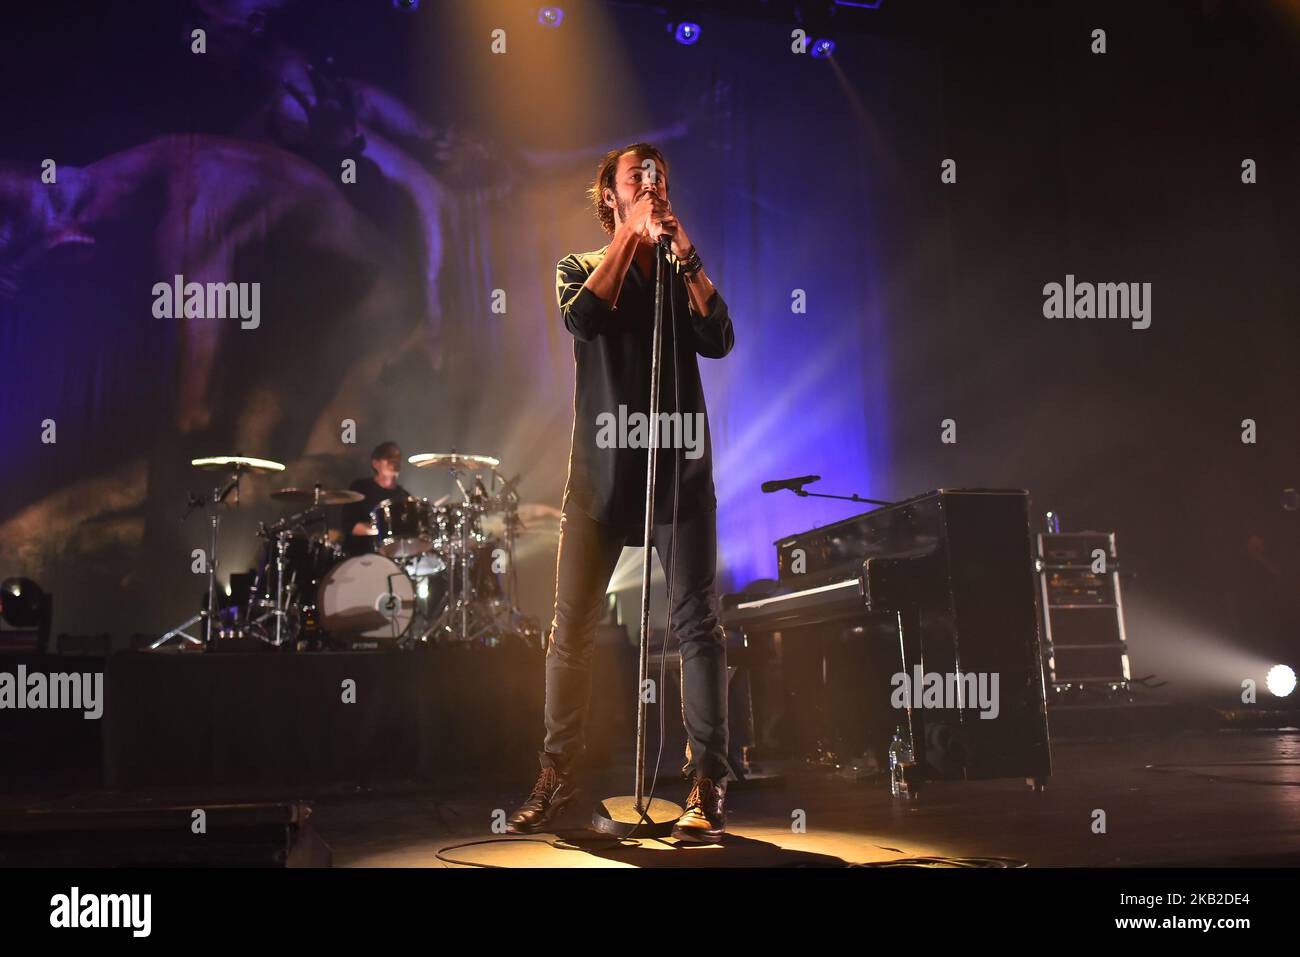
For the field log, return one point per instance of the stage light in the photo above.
(1280, 680)
(407, 4)
(20, 602)
(550, 16)
(685, 32)
(822, 48)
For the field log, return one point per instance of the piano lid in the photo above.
(897, 505)
(913, 527)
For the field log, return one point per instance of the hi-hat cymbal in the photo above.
(317, 496)
(453, 460)
(236, 463)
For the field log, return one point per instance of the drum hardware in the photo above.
(508, 499)
(281, 593)
(466, 516)
(238, 466)
(477, 602)
(299, 521)
(317, 496)
(426, 565)
(296, 560)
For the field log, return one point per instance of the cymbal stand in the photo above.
(209, 614)
(462, 599)
(511, 498)
(281, 533)
(281, 545)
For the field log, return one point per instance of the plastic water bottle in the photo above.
(900, 758)
(896, 762)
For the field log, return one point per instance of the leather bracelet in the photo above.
(691, 264)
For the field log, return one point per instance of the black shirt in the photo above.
(355, 512)
(611, 349)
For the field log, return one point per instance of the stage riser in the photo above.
(280, 719)
(270, 720)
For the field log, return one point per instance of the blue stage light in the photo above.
(407, 4)
(822, 48)
(550, 16)
(686, 33)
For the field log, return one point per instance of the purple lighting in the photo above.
(686, 33)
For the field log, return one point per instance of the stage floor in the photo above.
(1229, 798)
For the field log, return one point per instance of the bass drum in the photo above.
(368, 597)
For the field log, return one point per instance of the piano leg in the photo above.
(910, 655)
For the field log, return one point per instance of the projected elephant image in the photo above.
(328, 202)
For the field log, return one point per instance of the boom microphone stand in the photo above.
(625, 814)
(796, 485)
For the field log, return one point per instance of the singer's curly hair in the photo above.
(605, 178)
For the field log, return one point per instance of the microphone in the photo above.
(794, 484)
(665, 241)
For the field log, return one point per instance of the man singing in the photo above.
(607, 300)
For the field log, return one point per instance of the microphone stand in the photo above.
(624, 815)
(855, 497)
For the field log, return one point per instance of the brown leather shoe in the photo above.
(551, 795)
(705, 820)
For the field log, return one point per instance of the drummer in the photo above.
(386, 463)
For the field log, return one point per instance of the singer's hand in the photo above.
(639, 214)
(663, 222)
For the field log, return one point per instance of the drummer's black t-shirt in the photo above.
(360, 512)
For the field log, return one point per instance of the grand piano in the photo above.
(947, 578)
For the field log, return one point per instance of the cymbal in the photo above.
(236, 463)
(317, 496)
(453, 460)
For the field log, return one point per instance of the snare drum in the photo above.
(404, 526)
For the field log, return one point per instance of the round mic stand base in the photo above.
(618, 816)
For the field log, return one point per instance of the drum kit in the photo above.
(440, 571)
